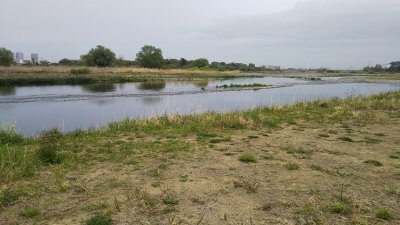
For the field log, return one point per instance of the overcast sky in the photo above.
(291, 33)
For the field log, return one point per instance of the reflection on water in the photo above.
(153, 86)
(99, 87)
(7, 90)
(69, 107)
(201, 83)
(151, 100)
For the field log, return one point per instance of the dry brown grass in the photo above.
(109, 70)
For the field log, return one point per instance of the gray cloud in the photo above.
(292, 33)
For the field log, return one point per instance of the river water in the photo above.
(36, 108)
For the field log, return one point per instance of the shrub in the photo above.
(383, 214)
(247, 158)
(99, 220)
(339, 208)
(79, 71)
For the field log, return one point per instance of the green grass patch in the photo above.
(247, 158)
(243, 86)
(99, 219)
(339, 208)
(292, 166)
(170, 200)
(383, 214)
(30, 212)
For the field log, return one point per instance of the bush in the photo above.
(247, 158)
(6, 57)
(373, 162)
(99, 220)
(79, 71)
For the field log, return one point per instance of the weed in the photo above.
(247, 158)
(183, 178)
(94, 207)
(383, 214)
(379, 134)
(394, 157)
(8, 197)
(292, 166)
(348, 139)
(170, 200)
(299, 152)
(48, 152)
(30, 212)
(339, 208)
(250, 186)
(323, 135)
(99, 219)
(373, 162)
(252, 137)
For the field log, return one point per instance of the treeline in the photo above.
(394, 67)
(148, 57)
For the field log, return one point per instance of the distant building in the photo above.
(35, 58)
(19, 57)
(273, 67)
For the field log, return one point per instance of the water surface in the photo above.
(68, 107)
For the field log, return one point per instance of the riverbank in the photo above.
(325, 162)
(37, 75)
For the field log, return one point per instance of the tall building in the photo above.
(19, 57)
(35, 58)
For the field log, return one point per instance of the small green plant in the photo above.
(8, 196)
(292, 166)
(80, 71)
(338, 207)
(30, 212)
(247, 158)
(373, 162)
(170, 200)
(383, 214)
(183, 177)
(99, 219)
(348, 139)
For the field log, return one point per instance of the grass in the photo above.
(170, 200)
(21, 75)
(339, 208)
(373, 162)
(99, 220)
(8, 197)
(383, 214)
(91, 164)
(30, 212)
(347, 139)
(247, 158)
(292, 166)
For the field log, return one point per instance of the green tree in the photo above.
(200, 63)
(99, 56)
(6, 57)
(394, 66)
(150, 57)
